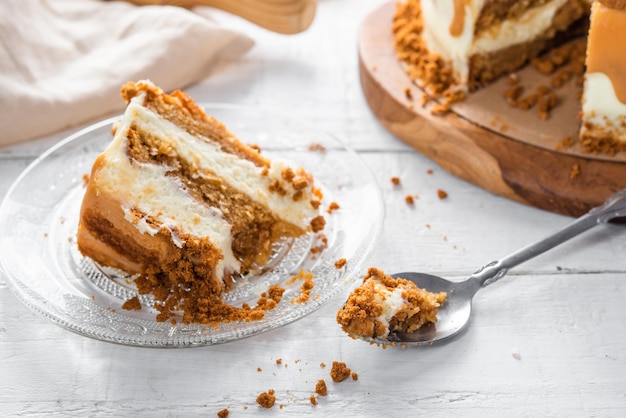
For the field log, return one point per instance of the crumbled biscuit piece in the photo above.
(333, 206)
(442, 194)
(339, 372)
(266, 399)
(340, 263)
(321, 388)
(307, 285)
(132, 304)
(318, 223)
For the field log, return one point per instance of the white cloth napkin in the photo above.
(63, 62)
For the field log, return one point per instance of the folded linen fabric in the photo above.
(62, 62)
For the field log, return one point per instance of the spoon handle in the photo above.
(613, 207)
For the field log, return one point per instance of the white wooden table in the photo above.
(549, 340)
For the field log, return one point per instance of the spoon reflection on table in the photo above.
(455, 312)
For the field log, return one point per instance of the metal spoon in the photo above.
(455, 312)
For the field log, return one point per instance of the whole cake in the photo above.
(178, 201)
(604, 95)
(382, 304)
(453, 47)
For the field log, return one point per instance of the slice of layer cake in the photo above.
(603, 113)
(452, 47)
(179, 201)
(382, 304)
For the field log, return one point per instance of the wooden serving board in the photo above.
(507, 151)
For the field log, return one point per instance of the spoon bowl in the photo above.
(454, 314)
(452, 317)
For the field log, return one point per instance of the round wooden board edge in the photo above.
(546, 179)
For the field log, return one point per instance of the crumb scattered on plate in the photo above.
(340, 263)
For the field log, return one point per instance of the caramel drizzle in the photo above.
(458, 20)
(607, 43)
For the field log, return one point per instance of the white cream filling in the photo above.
(600, 103)
(240, 174)
(146, 187)
(438, 14)
(391, 302)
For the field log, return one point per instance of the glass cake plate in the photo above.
(45, 270)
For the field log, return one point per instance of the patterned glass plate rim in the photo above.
(43, 268)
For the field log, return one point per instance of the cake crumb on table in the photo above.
(339, 371)
(266, 399)
(223, 413)
(442, 194)
(313, 400)
(395, 180)
(316, 146)
(409, 200)
(321, 388)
